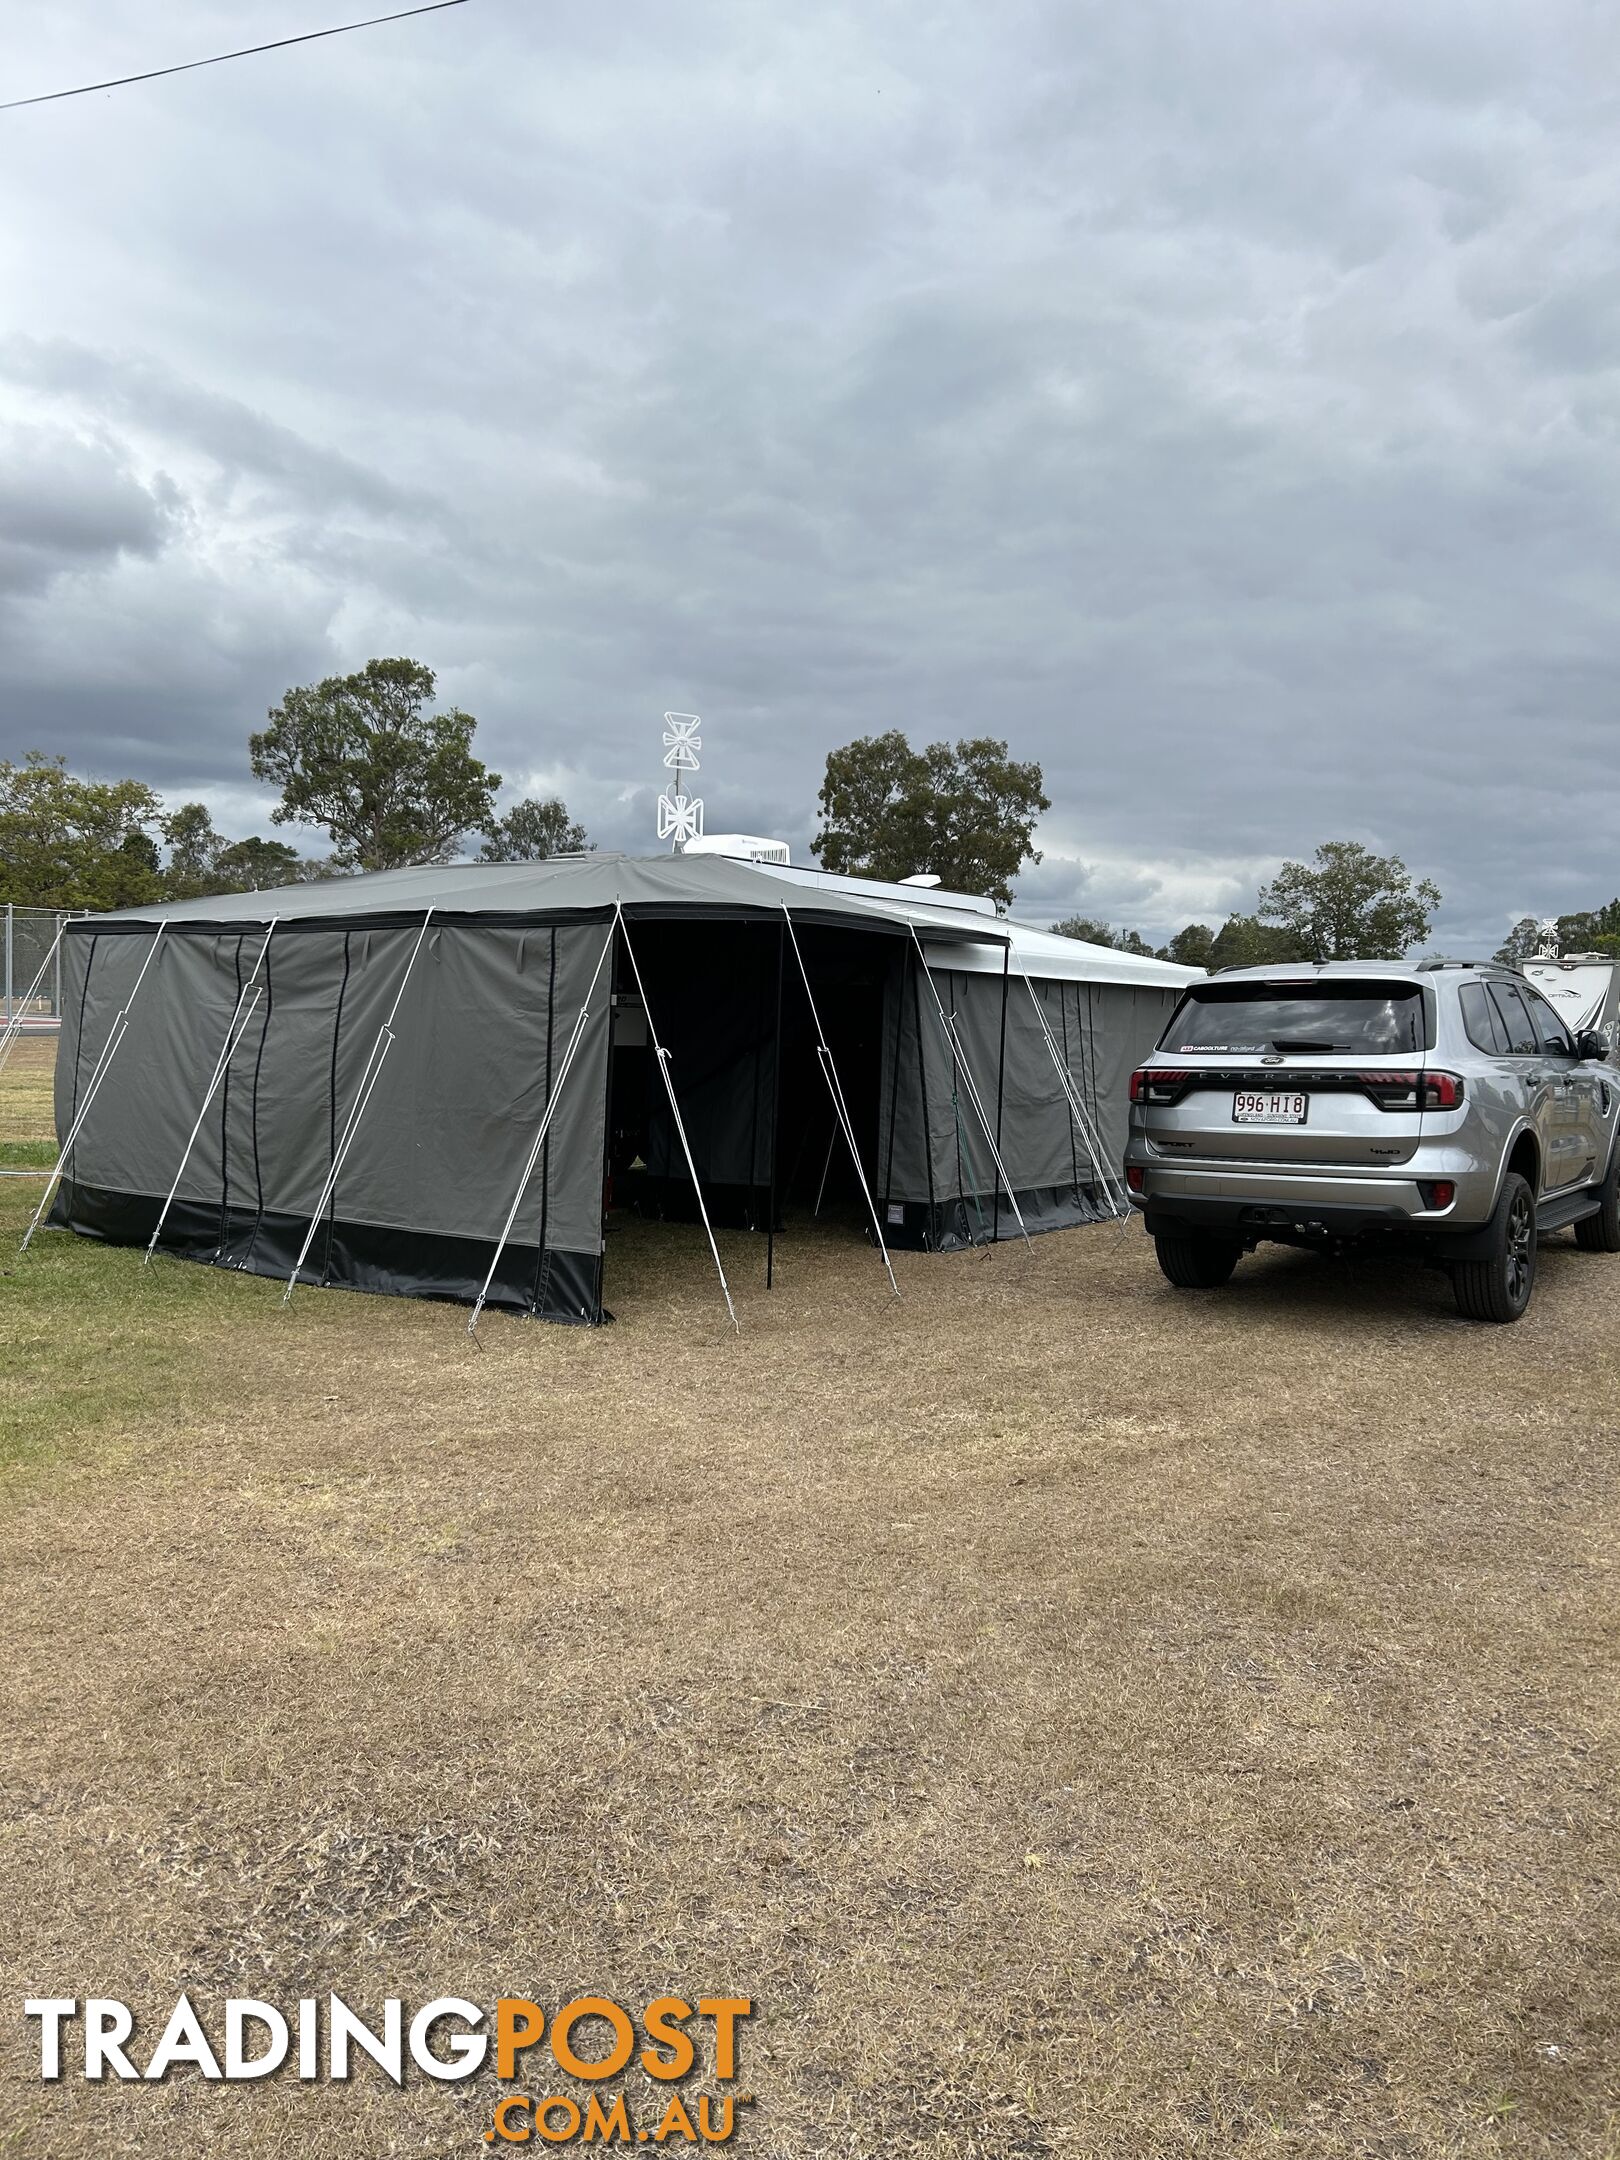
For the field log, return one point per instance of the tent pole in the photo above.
(14, 1017)
(1108, 1184)
(974, 1097)
(368, 1080)
(109, 1050)
(1001, 1072)
(826, 1168)
(236, 1028)
(776, 1107)
(582, 1020)
(662, 1057)
(840, 1112)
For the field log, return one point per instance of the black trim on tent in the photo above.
(537, 1287)
(956, 1224)
(253, 1099)
(1096, 1091)
(604, 1168)
(652, 911)
(1001, 1079)
(331, 1104)
(78, 1050)
(225, 1119)
(776, 1109)
(917, 965)
(894, 1084)
(1063, 1015)
(365, 1256)
(958, 1065)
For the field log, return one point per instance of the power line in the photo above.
(308, 38)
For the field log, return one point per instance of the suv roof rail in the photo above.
(1430, 967)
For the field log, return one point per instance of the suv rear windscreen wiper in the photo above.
(1304, 1042)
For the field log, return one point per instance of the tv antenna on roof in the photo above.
(680, 816)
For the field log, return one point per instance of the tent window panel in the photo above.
(466, 1086)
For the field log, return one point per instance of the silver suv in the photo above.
(1446, 1110)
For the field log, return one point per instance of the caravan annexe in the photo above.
(341, 1083)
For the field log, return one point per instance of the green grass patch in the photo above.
(27, 1154)
(103, 1355)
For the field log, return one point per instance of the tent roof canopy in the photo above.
(692, 886)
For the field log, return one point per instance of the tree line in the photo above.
(360, 755)
(1587, 930)
(393, 782)
(967, 812)
(1346, 904)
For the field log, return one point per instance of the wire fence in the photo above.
(31, 965)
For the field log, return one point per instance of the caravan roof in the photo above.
(714, 886)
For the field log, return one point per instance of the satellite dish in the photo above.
(923, 877)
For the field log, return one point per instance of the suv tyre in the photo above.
(1601, 1232)
(1498, 1284)
(1198, 1263)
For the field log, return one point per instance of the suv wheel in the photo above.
(1601, 1232)
(1198, 1263)
(1497, 1286)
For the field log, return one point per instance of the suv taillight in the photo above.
(1413, 1090)
(1149, 1086)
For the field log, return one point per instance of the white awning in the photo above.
(1039, 952)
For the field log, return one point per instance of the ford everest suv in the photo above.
(1443, 1110)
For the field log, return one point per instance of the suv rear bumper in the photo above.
(1259, 1203)
(1260, 1219)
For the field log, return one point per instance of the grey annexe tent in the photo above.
(348, 1079)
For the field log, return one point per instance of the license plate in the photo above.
(1268, 1109)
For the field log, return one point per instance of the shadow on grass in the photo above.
(1287, 1285)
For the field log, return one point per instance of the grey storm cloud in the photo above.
(66, 504)
(1220, 404)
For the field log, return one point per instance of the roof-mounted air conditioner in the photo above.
(744, 847)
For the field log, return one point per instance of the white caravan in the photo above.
(1583, 989)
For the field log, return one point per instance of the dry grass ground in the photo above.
(1087, 1719)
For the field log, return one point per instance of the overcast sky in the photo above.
(1220, 402)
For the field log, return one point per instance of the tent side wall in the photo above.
(936, 1174)
(482, 1027)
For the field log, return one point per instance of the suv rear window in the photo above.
(1335, 1019)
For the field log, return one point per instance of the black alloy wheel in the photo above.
(1497, 1285)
